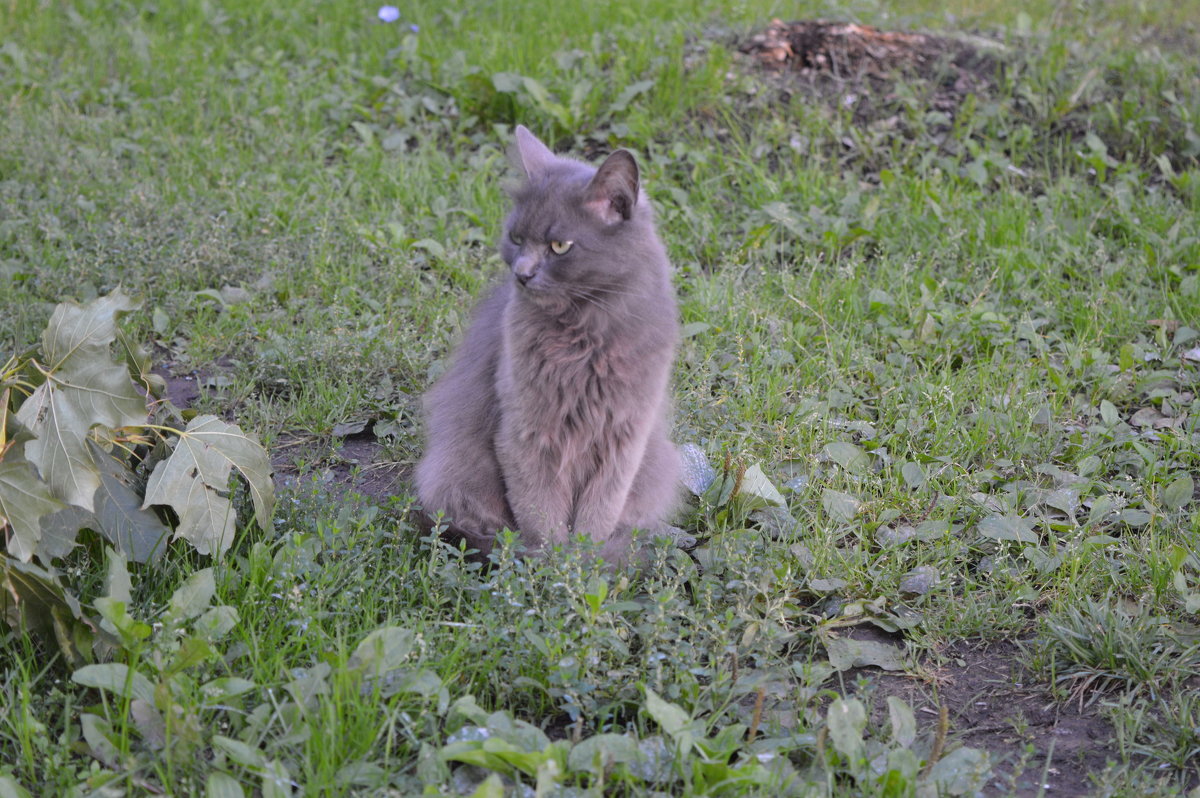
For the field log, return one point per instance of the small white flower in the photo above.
(389, 13)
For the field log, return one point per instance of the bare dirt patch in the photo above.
(993, 705)
(357, 463)
(861, 64)
(182, 388)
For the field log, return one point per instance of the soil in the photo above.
(182, 389)
(859, 67)
(995, 706)
(358, 464)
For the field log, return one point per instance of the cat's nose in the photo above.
(524, 268)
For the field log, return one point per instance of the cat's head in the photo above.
(575, 230)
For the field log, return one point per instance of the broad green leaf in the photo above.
(159, 320)
(527, 762)
(360, 773)
(904, 724)
(311, 682)
(60, 530)
(755, 483)
(84, 387)
(149, 722)
(431, 769)
(422, 682)
(98, 734)
(919, 580)
(963, 771)
(1179, 492)
(846, 720)
(670, 717)
(1043, 562)
(82, 334)
(119, 623)
(137, 533)
(116, 678)
(117, 585)
(840, 506)
(472, 752)
(276, 781)
(848, 456)
(521, 733)
(33, 598)
(220, 690)
(913, 474)
(222, 785)
(192, 597)
(507, 82)
(1065, 499)
(827, 585)
(192, 651)
(622, 100)
(10, 788)
(846, 653)
(469, 709)
(24, 500)
(383, 650)
(194, 480)
(433, 247)
(492, 787)
(879, 300)
(216, 622)
(719, 490)
(1007, 527)
(1108, 413)
(1101, 507)
(696, 473)
(777, 522)
(1134, 517)
(596, 754)
(238, 751)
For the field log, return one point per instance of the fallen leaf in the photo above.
(696, 473)
(1007, 527)
(846, 653)
(755, 483)
(840, 506)
(919, 580)
(848, 456)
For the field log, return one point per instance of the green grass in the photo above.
(981, 305)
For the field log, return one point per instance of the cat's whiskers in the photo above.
(586, 295)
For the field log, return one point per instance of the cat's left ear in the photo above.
(614, 190)
(532, 155)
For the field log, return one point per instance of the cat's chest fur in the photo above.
(551, 360)
(565, 378)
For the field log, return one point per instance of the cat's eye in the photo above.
(516, 238)
(560, 247)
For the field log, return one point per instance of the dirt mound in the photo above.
(864, 61)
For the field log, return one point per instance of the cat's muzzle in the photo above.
(524, 268)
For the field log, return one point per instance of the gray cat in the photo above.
(553, 415)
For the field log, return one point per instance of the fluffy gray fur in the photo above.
(553, 416)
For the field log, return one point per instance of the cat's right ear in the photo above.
(614, 190)
(531, 154)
